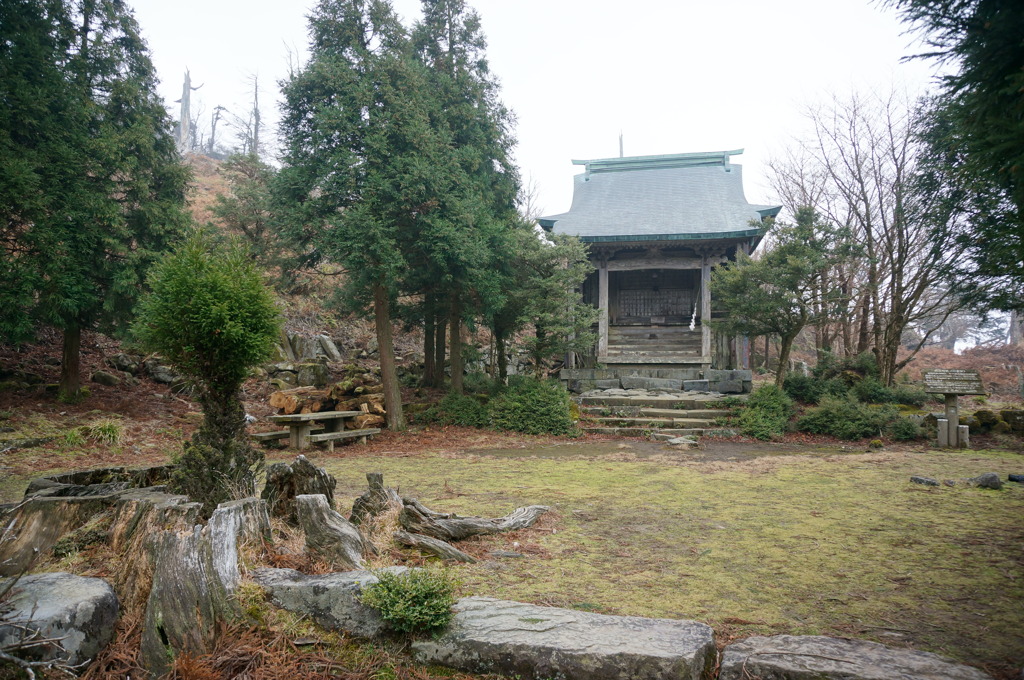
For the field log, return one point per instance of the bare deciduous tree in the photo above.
(862, 168)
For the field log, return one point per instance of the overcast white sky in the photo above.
(673, 76)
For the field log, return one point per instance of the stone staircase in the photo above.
(658, 416)
(654, 344)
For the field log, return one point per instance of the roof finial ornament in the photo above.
(620, 144)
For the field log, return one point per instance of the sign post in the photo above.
(951, 383)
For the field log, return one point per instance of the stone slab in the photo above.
(529, 641)
(332, 600)
(728, 386)
(79, 611)
(630, 382)
(814, 657)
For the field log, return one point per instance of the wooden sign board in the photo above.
(953, 381)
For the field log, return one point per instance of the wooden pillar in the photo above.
(602, 303)
(705, 308)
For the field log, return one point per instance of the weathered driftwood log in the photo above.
(376, 501)
(302, 400)
(194, 578)
(329, 535)
(419, 519)
(285, 482)
(446, 551)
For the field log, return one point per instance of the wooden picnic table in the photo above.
(300, 426)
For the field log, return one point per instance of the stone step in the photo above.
(529, 641)
(665, 435)
(627, 421)
(710, 414)
(670, 432)
(651, 402)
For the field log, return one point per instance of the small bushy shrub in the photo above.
(767, 412)
(808, 389)
(846, 418)
(533, 406)
(905, 429)
(456, 409)
(864, 364)
(872, 391)
(416, 601)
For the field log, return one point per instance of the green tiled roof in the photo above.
(671, 197)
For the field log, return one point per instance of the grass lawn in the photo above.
(826, 542)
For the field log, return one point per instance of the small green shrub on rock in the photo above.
(533, 406)
(416, 601)
(767, 412)
(846, 419)
(456, 409)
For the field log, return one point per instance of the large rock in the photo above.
(1014, 418)
(329, 349)
(812, 657)
(285, 482)
(80, 612)
(528, 641)
(332, 600)
(988, 480)
(315, 374)
(329, 536)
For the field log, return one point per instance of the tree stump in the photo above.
(419, 519)
(376, 501)
(194, 578)
(329, 536)
(285, 482)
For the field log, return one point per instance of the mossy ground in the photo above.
(817, 543)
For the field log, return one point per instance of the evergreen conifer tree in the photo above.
(92, 188)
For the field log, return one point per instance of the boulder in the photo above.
(329, 349)
(285, 482)
(529, 641)
(80, 612)
(329, 536)
(332, 600)
(305, 348)
(812, 657)
(989, 480)
(926, 481)
(160, 373)
(315, 374)
(105, 378)
(124, 362)
(1014, 418)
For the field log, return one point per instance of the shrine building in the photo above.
(655, 227)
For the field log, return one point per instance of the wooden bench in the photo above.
(279, 434)
(331, 437)
(300, 426)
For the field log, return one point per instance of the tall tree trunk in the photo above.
(863, 335)
(1016, 329)
(785, 347)
(440, 327)
(428, 344)
(455, 344)
(388, 373)
(499, 349)
(70, 371)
